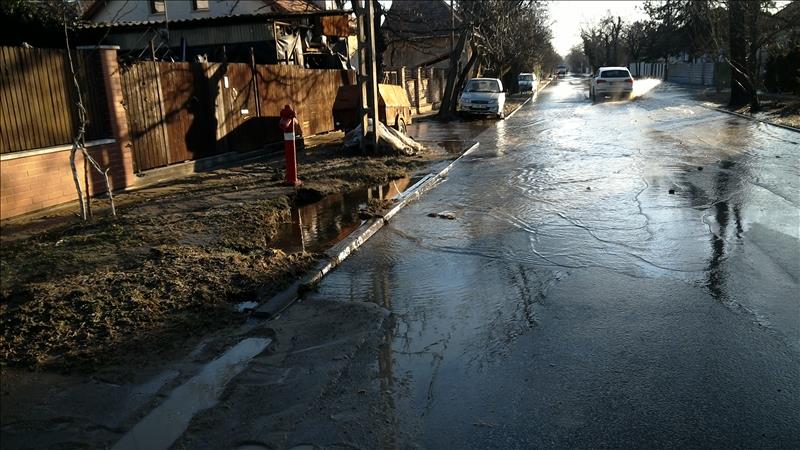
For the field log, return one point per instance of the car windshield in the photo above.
(527, 77)
(615, 74)
(482, 86)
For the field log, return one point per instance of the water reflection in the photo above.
(532, 268)
(725, 188)
(319, 225)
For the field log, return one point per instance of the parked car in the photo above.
(613, 81)
(483, 96)
(527, 82)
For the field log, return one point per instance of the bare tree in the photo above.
(79, 141)
(503, 37)
(576, 59)
(603, 42)
(635, 37)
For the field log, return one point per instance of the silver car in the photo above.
(527, 82)
(483, 96)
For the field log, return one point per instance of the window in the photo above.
(482, 86)
(615, 74)
(200, 5)
(157, 6)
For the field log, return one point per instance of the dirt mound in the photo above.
(81, 295)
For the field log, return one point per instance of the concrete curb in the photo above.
(344, 248)
(518, 108)
(745, 116)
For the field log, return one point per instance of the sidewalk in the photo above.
(780, 109)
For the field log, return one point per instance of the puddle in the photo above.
(454, 146)
(243, 306)
(163, 425)
(319, 225)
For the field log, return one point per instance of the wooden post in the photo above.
(255, 81)
(429, 90)
(417, 87)
(372, 74)
(403, 77)
(367, 74)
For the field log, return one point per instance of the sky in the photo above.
(568, 16)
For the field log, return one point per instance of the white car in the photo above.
(483, 96)
(527, 82)
(613, 81)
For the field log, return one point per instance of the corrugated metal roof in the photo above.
(235, 18)
(92, 7)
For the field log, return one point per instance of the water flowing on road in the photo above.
(618, 274)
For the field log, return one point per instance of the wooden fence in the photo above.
(37, 98)
(184, 111)
(424, 86)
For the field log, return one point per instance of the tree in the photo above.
(668, 19)
(576, 59)
(635, 36)
(602, 42)
(503, 37)
(741, 82)
(509, 34)
(38, 23)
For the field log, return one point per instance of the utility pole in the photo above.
(452, 29)
(367, 73)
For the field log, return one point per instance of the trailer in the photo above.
(394, 108)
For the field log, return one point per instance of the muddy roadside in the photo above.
(775, 108)
(324, 377)
(171, 266)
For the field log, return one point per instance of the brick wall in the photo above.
(38, 179)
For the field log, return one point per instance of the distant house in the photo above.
(418, 33)
(302, 32)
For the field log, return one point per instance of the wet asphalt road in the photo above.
(575, 302)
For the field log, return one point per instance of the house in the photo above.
(418, 33)
(117, 11)
(301, 32)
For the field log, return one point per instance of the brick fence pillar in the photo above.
(122, 174)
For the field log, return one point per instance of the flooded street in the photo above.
(620, 274)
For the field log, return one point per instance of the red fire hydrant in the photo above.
(287, 124)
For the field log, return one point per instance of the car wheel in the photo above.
(400, 125)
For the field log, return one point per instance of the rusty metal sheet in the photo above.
(336, 25)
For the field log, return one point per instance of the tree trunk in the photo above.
(738, 51)
(754, 9)
(449, 90)
(462, 77)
